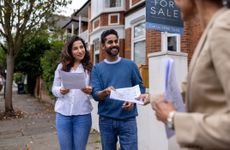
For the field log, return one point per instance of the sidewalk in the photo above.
(36, 130)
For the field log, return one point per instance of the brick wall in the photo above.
(128, 35)
(91, 52)
(127, 4)
(104, 20)
(89, 18)
(196, 32)
(96, 23)
(192, 34)
(189, 40)
(133, 2)
(153, 41)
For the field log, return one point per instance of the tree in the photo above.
(17, 19)
(28, 58)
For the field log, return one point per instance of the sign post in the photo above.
(164, 16)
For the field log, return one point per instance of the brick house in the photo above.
(127, 17)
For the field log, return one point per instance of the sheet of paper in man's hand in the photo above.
(73, 80)
(127, 94)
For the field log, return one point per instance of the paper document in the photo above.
(172, 92)
(127, 94)
(73, 80)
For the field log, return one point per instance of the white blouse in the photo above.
(75, 102)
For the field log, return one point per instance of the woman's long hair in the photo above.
(67, 58)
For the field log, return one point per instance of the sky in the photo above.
(76, 4)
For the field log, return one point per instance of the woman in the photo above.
(206, 125)
(73, 107)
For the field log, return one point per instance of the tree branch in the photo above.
(3, 47)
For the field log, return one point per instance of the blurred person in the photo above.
(73, 107)
(206, 124)
(117, 119)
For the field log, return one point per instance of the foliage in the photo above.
(28, 58)
(49, 62)
(2, 61)
(18, 18)
(19, 77)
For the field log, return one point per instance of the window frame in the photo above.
(130, 3)
(137, 39)
(96, 51)
(98, 19)
(108, 2)
(164, 43)
(118, 19)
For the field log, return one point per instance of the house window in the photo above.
(139, 46)
(112, 3)
(139, 30)
(96, 43)
(171, 42)
(139, 52)
(96, 23)
(114, 19)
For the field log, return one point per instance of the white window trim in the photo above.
(113, 8)
(164, 42)
(96, 52)
(131, 6)
(118, 19)
(98, 19)
(135, 40)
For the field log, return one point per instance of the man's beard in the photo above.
(112, 52)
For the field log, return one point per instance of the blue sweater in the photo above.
(121, 74)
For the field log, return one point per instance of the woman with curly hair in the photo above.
(73, 107)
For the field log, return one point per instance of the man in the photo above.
(116, 118)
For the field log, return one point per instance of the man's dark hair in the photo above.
(106, 33)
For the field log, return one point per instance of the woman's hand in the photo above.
(145, 98)
(87, 90)
(64, 91)
(162, 108)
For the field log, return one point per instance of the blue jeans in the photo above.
(112, 129)
(73, 131)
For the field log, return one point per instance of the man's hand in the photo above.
(87, 90)
(64, 91)
(127, 106)
(145, 98)
(104, 93)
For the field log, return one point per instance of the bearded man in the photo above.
(117, 119)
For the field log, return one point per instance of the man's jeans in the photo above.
(73, 131)
(112, 129)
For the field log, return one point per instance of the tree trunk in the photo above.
(9, 80)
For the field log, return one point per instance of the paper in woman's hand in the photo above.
(73, 80)
(172, 92)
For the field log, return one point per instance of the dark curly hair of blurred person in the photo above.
(67, 58)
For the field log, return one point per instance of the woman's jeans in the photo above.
(73, 131)
(112, 129)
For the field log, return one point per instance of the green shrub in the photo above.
(18, 77)
(49, 63)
